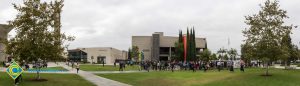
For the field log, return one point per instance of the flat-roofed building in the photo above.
(108, 55)
(159, 47)
(4, 30)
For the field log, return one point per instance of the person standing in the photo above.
(242, 65)
(173, 66)
(72, 65)
(18, 79)
(147, 66)
(219, 65)
(77, 67)
(121, 66)
(115, 65)
(231, 66)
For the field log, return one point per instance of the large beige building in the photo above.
(160, 47)
(4, 30)
(108, 55)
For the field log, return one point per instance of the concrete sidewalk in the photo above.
(97, 80)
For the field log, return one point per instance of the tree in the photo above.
(205, 55)
(225, 57)
(188, 46)
(247, 53)
(179, 51)
(222, 51)
(38, 36)
(232, 54)
(193, 45)
(179, 48)
(135, 52)
(290, 50)
(213, 57)
(220, 57)
(129, 54)
(266, 31)
(295, 54)
(287, 49)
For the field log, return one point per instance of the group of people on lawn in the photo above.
(188, 65)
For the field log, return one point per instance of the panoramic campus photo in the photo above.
(149, 43)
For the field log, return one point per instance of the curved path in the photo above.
(97, 80)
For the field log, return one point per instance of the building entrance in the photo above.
(163, 58)
(101, 59)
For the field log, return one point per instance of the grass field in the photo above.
(106, 68)
(53, 80)
(211, 78)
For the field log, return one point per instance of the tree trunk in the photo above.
(267, 69)
(38, 74)
(286, 64)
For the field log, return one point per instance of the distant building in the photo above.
(4, 30)
(108, 55)
(160, 47)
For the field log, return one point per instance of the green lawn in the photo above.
(211, 78)
(53, 80)
(106, 68)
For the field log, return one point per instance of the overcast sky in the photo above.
(111, 23)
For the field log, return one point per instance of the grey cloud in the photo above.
(111, 23)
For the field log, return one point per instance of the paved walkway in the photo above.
(97, 80)
(283, 67)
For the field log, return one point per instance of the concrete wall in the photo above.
(144, 43)
(110, 53)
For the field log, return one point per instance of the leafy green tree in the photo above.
(266, 31)
(295, 54)
(213, 57)
(247, 53)
(287, 49)
(222, 52)
(232, 54)
(225, 57)
(37, 25)
(135, 52)
(205, 55)
(220, 56)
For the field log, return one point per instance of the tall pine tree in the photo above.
(188, 57)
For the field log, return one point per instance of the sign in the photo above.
(14, 70)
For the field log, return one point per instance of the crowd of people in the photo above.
(188, 65)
